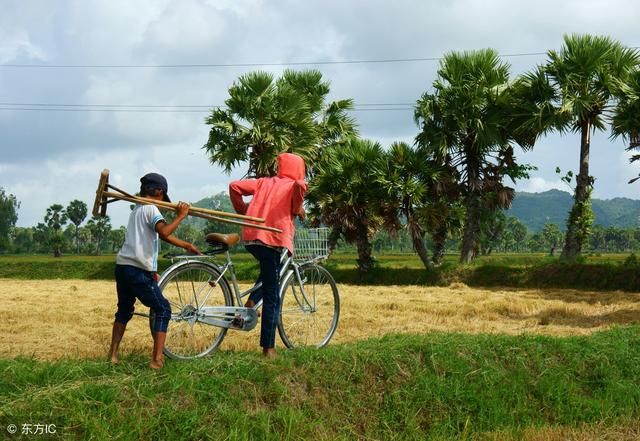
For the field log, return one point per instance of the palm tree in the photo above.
(626, 116)
(265, 117)
(100, 227)
(468, 119)
(407, 175)
(443, 213)
(77, 212)
(576, 91)
(55, 219)
(345, 192)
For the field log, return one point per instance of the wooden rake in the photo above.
(104, 197)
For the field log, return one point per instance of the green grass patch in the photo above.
(436, 386)
(606, 272)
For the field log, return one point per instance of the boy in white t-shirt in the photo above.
(137, 263)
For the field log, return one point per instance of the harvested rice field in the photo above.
(56, 319)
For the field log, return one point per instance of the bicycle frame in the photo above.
(240, 317)
(287, 266)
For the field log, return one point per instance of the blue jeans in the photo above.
(132, 283)
(269, 260)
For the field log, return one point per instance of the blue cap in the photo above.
(153, 181)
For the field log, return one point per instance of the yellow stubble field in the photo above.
(54, 319)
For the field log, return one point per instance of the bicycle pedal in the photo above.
(238, 321)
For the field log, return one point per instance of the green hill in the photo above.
(536, 209)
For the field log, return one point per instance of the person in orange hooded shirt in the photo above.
(277, 200)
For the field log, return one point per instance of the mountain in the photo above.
(532, 209)
(536, 209)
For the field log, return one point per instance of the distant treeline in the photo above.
(64, 231)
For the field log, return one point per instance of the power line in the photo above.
(54, 109)
(207, 106)
(40, 109)
(166, 108)
(223, 65)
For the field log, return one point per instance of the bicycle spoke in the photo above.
(188, 290)
(309, 318)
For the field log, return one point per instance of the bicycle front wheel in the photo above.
(189, 287)
(309, 313)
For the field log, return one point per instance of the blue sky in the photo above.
(56, 156)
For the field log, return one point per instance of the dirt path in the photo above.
(72, 318)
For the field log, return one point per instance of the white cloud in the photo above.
(75, 176)
(538, 184)
(48, 157)
(17, 44)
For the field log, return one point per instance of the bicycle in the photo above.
(206, 302)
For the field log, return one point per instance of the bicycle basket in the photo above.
(311, 244)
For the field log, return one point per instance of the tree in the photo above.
(576, 91)
(469, 119)
(518, 231)
(265, 117)
(22, 239)
(493, 232)
(41, 237)
(552, 237)
(626, 116)
(443, 213)
(77, 212)
(116, 239)
(99, 227)
(345, 193)
(8, 217)
(406, 175)
(55, 219)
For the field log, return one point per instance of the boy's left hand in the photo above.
(182, 209)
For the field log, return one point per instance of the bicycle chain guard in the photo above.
(241, 318)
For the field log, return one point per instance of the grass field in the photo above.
(604, 273)
(407, 362)
(438, 386)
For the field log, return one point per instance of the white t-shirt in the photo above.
(140, 247)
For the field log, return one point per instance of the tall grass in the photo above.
(436, 386)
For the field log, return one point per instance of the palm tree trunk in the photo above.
(471, 228)
(334, 236)
(439, 243)
(418, 241)
(365, 260)
(472, 202)
(573, 239)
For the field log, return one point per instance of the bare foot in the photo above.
(114, 359)
(156, 364)
(269, 352)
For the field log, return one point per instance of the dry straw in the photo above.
(53, 319)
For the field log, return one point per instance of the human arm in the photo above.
(297, 199)
(165, 230)
(238, 189)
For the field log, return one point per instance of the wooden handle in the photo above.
(100, 203)
(193, 211)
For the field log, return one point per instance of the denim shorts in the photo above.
(134, 283)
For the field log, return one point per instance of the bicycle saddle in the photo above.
(226, 239)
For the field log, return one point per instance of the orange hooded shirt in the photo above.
(277, 199)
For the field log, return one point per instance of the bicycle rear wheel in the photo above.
(189, 287)
(309, 318)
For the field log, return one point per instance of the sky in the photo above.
(87, 85)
